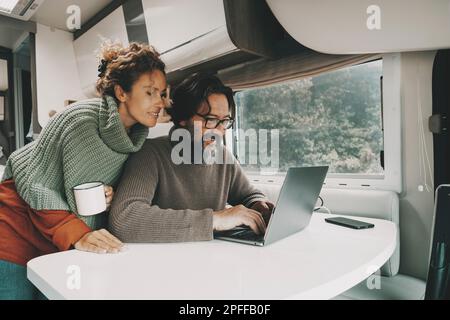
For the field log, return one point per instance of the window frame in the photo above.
(391, 180)
(2, 106)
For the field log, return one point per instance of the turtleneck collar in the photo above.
(113, 132)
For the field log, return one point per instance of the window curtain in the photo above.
(308, 63)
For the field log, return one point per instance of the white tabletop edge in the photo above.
(326, 290)
(331, 288)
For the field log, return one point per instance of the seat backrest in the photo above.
(377, 204)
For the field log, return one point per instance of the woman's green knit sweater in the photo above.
(85, 143)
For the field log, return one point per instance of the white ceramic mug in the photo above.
(90, 198)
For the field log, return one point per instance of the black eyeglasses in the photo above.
(213, 123)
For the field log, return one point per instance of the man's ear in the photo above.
(121, 95)
(183, 123)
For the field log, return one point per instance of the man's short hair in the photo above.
(189, 95)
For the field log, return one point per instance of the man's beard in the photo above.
(202, 152)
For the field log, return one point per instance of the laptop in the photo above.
(292, 212)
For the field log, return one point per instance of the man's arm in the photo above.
(133, 217)
(241, 190)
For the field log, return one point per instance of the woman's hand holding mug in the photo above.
(93, 198)
(109, 195)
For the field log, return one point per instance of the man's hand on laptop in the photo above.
(238, 215)
(265, 208)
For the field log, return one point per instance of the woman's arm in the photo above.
(133, 217)
(66, 231)
(62, 228)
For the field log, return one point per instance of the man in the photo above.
(165, 197)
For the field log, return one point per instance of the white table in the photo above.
(319, 262)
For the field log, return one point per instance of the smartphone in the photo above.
(349, 223)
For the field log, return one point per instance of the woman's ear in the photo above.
(121, 95)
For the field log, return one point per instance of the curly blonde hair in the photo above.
(123, 66)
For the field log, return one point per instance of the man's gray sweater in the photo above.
(159, 201)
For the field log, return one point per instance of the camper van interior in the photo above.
(355, 85)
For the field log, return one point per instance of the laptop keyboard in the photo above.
(244, 234)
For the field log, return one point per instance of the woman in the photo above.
(90, 141)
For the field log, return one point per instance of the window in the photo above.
(331, 119)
